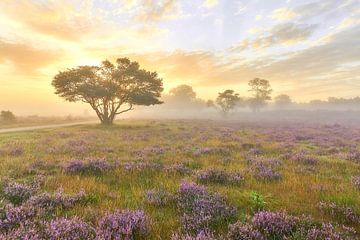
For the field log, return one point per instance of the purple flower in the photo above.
(18, 192)
(179, 169)
(202, 210)
(49, 202)
(14, 216)
(274, 224)
(69, 229)
(341, 212)
(202, 235)
(240, 231)
(123, 225)
(327, 231)
(219, 176)
(75, 166)
(158, 197)
(356, 181)
(98, 166)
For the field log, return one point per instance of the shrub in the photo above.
(95, 166)
(326, 231)
(25, 232)
(240, 231)
(201, 209)
(257, 201)
(219, 176)
(345, 214)
(18, 192)
(75, 166)
(158, 197)
(274, 224)
(356, 181)
(69, 229)
(179, 169)
(202, 235)
(123, 225)
(98, 166)
(13, 216)
(302, 157)
(266, 173)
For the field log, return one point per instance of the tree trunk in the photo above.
(107, 120)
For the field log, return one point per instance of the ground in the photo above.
(293, 167)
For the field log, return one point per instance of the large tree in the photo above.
(261, 92)
(227, 101)
(110, 89)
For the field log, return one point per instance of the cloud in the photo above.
(283, 14)
(59, 19)
(210, 3)
(322, 59)
(25, 58)
(281, 34)
(154, 10)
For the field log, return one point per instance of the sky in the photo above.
(306, 49)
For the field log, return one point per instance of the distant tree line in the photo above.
(115, 88)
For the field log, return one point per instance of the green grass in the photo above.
(298, 192)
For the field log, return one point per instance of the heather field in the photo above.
(181, 180)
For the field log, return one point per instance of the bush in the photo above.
(158, 197)
(69, 229)
(240, 231)
(123, 225)
(274, 224)
(201, 209)
(219, 176)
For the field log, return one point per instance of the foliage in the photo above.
(257, 201)
(282, 100)
(7, 116)
(227, 101)
(261, 91)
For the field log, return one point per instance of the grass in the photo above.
(298, 192)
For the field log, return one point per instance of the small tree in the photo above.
(7, 116)
(109, 87)
(261, 92)
(227, 101)
(282, 100)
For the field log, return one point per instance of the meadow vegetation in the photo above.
(181, 180)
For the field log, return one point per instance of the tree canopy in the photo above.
(110, 89)
(282, 100)
(261, 92)
(7, 116)
(227, 101)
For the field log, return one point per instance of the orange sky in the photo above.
(306, 49)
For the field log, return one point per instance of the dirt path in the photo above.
(21, 129)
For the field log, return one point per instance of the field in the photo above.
(176, 179)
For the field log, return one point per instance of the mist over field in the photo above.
(179, 120)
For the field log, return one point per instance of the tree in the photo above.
(109, 87)
(7, 116)
(261, 91)
(282, 100)
(183, 93)
(227, 101)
